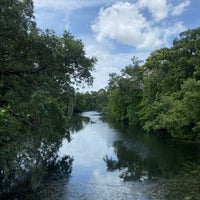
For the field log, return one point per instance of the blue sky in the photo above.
(115, 30)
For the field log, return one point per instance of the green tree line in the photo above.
(162, 94)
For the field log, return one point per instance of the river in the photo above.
(115, 161)
(104, 160)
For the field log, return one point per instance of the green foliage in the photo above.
(37, 71)
(37, 68)
(116, 105)
(124, 93)
(102, 100)
(163, 94)
(9, 127)
(171, 88)
(85, 101)
(191, 99)
(91, 101)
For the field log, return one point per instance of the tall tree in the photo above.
(125, 92)
(38, 72)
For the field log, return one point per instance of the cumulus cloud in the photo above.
(158, 9)
(138, 24)
(177, 10)
(124, 23)
(127, 23)
(108, 61)
(142, 25)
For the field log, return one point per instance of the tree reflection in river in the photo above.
(30, 159)
(36, 167)
(129, 163)
(78, 122)
(141, 156)
(23, 168)
(135, 167)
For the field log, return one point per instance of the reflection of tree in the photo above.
(135, 166)
(28, 160)
(24, 166)
(128, 162)
(60, 167)
(78, 122)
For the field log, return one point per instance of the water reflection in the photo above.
(31, 160)
(129, 163)
(133, 166)
(103, 160)
(114, 161)
(22, 172)
(78, 122)
(142, 156)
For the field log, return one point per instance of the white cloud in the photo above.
(177, 10)
(124, 23)
(108, 61)
(142, 25)
(172, 30)
(47, 9)
(127, 23)
(158, 9)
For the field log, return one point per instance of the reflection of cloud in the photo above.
(110, 186)
(108, 178)
(83, 150)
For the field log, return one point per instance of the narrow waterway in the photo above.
(112, 161)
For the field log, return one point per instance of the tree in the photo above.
(102, 100)
(162, 94)
(38, 73)
(124, 92)
(169, 75)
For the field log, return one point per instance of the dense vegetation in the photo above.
(91, 101)
(38, 70)
(162, 94)
(38, 73)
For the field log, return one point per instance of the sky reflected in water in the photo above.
(119, 162)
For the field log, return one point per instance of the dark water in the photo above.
(115, 161)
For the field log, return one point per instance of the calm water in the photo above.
(116, 162)
(110, 161)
